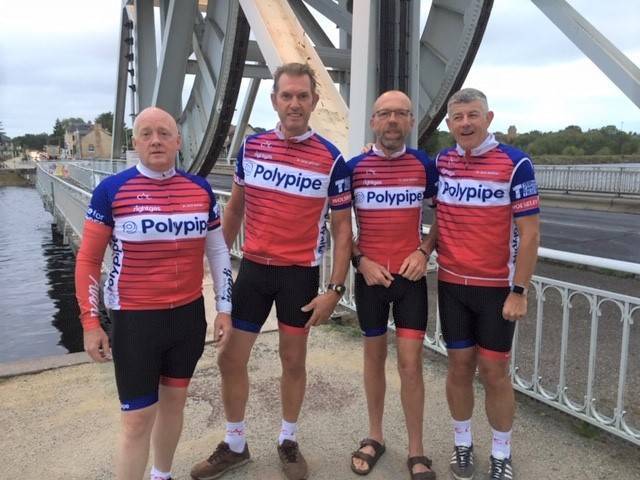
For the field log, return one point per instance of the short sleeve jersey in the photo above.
(388, 198)
(478, 199)
(158, 237)
(289, 186)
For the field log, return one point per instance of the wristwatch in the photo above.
(355, 260)
(519, 290)
(336, 287)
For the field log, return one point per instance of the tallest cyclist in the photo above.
(286, 181)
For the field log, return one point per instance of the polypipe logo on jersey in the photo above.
(161, 227)
(287, 179)
(388, 197)
(391, 198)
(470, 192)
(176, 227)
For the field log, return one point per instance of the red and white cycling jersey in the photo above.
(289, 184)
(479, 196)
(156, 226)
(388, 196)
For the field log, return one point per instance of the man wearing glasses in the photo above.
(390, 183)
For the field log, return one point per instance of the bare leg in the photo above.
(133, 442)
(233, 360)
(375, 356)
(168, 425)
(293, 355)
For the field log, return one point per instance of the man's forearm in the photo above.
(342, 246)
(528, 250)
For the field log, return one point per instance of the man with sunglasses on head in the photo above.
(389, 184)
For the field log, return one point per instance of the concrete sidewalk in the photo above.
(63, 423)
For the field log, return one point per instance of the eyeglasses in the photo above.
(385, 114)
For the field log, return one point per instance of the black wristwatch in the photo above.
(355, 260)
(519, 290)
(338, 288)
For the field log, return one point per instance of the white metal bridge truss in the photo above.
(211, 41)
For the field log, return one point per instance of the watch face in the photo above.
(517, 289)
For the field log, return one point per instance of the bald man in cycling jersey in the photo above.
(487, 230)
(390, 183)
(159, 222)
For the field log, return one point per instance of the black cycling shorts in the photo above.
(409, 301)
(472, 315)
(155, 346)
(258, 286)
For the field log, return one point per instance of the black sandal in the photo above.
(413, 461)
(370, 460)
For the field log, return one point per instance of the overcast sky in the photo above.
(58, 59)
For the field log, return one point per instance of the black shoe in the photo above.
(461, 464)
(500, 469)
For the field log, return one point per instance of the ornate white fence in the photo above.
(612, 180)
(578, 350)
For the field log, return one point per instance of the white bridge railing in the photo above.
(578, 350)
(611, 179)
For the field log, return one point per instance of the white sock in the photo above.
(158, 475)
(462, 433)
(501, 446)
(287, 432)
(235, 436)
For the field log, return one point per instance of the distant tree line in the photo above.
(37, 141)
(571, 141)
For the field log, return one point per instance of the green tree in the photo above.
(58, 134)
(32, 141)
(106, 120)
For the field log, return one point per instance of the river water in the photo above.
(38, 309)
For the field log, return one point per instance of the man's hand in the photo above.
(374, 273)
(414, 266)
(366, 148)
(515, 307)
(322, 307)
(96, 344)
(221, 329)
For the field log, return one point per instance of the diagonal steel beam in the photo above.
(282, 40)
(604, 54)
(176, 48)
(145, 55)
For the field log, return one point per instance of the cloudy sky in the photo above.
(58, 59)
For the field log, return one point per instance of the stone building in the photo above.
(88, 141)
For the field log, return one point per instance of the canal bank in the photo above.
(16, 178)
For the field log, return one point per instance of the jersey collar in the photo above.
(381, 153)
(300, 138)
(147, 172)
(489, 143)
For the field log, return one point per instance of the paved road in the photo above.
(590, 232)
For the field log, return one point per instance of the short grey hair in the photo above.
(468, 95)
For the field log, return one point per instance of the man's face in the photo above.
(392, 120)
(294, 103)
(469, 123)
(156, 140)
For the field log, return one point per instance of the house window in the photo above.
(92, 148)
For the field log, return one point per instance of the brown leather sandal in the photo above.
(370, 460)
(413, 461)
